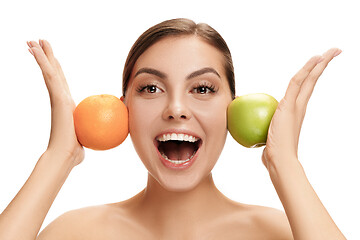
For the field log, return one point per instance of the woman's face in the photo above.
(177, 99)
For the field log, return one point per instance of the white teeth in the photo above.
(177, 161)
(186, 138)
(178, 137)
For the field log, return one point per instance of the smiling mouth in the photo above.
(178, 148)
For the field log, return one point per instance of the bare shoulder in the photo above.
(272, 222)
(75, 224)
(96, 222)
(251, 222)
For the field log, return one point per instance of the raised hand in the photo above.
(63, 139)
(284, 130)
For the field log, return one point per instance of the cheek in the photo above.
(212, 115)
(142, 119)
(213, 120)
(142, 114)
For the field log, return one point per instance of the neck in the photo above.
(168, 209)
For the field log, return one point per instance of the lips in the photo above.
(177, 149)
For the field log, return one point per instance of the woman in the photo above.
(178, 81)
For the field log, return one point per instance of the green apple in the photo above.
(249, 117)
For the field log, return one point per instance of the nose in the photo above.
(176, 109)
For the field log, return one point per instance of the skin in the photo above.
(184, 204)
(176, 104)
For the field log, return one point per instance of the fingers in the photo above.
(309, 84)
(48, 51)
(302, 84)
(50, 67)
(41, 58)
(295, 84)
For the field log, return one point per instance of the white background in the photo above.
(269, 40)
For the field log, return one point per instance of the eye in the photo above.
(204, 89)
(149, 88)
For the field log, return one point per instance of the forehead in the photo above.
(181, 54)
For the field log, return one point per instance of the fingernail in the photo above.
(337, 52)
(32, 53)
(29, 44)
(41, 43)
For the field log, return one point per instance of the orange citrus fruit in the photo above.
(101, 122)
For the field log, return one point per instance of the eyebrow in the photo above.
(151, 71)
(190, 76)
(203, 71)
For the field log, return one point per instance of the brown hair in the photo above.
(176, 27)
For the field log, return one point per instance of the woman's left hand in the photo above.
(285, 126)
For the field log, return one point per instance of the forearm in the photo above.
(23, 217)
(307, 216)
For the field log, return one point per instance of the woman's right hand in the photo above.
(63, 139)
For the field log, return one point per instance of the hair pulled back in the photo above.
(178, 27)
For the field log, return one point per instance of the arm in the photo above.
(307, 216)
(23, 217)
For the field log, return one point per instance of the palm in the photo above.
(284, 130)
(63, 139)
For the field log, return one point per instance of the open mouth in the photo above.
(178, 148)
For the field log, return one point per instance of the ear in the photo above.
(122, 98)
(235, 98)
